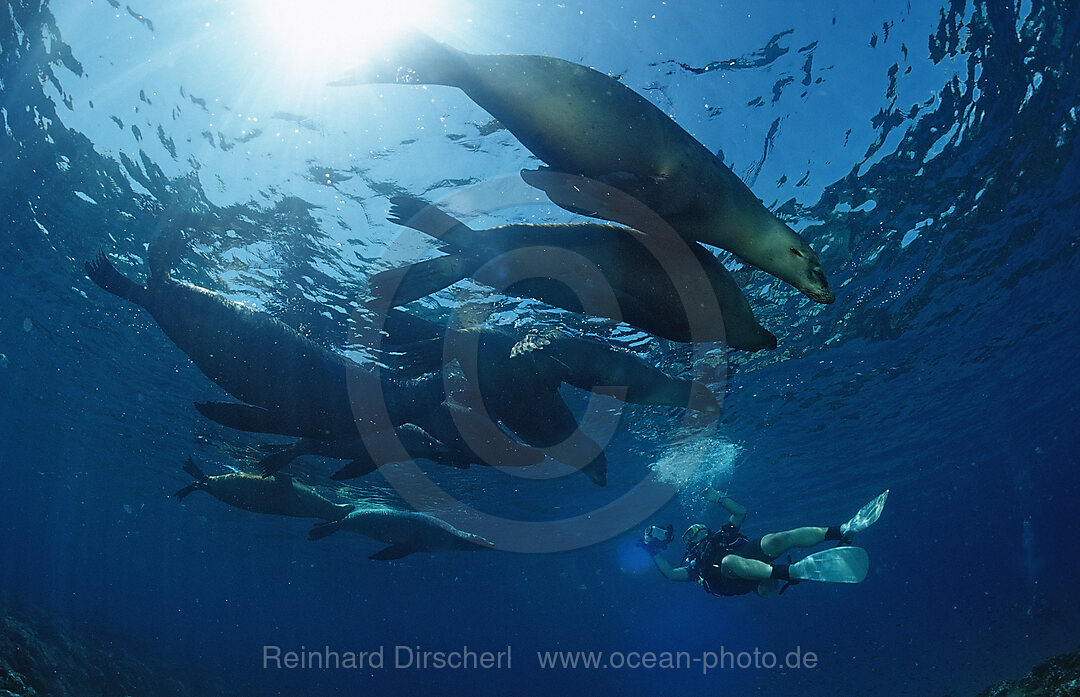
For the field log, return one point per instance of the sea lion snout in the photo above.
(817, 287)
(702, 399)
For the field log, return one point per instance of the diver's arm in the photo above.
(669, 572)
(737, 511)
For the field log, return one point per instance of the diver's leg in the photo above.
(733, 566)
(775, 544)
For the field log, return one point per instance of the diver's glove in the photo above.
(713, 495)
(657, 538)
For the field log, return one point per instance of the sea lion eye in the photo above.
(796, 252)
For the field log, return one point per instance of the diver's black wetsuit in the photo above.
(704, 559)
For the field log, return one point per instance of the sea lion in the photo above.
(647, 293)
(358, 450)
(514, 389)
(279, 495)
(369, 452)
(546, 358)
(582, 122)
(290, 384)
(517, 375)
(406, 532)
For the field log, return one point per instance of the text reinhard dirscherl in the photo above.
(403, 657)
(398, 657)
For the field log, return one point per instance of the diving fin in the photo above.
(838, 565)
(866, 516)
(394, 551)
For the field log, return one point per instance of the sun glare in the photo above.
(317, 38)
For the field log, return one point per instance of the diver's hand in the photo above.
(711, 494)
(656, 539)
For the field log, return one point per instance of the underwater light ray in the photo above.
(310, 40)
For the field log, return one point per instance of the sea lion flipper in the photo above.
(563, 194)
(402, 285)
(163, 253)
(104, 274)
(355, 468)
(419, 357)
(179, 495)
(394, 551)
(243, 417)
(273, 462)
(604, 196)
(321, 530)
(428, 219)
(415, 59)
(404, 327)
(596, 470)
(282, 479)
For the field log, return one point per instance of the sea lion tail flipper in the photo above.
(197, 474)
(415, 59)
(394, 551)
(404, 284)
(244, 417)
(191, 468)
(104, 274)
(321, 530)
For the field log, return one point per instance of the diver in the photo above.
(727, 562)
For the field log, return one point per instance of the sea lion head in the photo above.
(800, 266)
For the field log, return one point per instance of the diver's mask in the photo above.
(695, 534)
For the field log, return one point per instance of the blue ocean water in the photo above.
(927, 152)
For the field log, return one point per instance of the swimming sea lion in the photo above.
(416, 441)
(546, 359)
(517, 376)
(647, 293)
(291, 385)
(514, 389)
(279, 495)
(405, 532)
(367, 453)
(582, 122)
